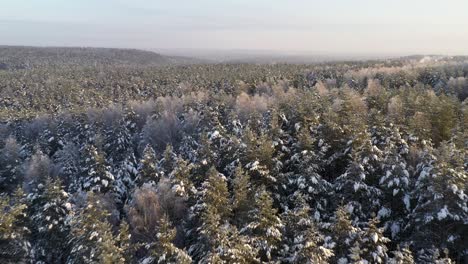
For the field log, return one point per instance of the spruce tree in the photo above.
(49, 211)
(266, 227)
(67, 160)
(231, 247)
(344, 235)
(147, 169)
(304, 241)
(165, 251)
(13, 244)
(169, 159)
(213, 210)
(358, 186)
(402, 256)
(10, 176)
(242, 196)
(181, 179)
(92, 239)
(373, 243)
(95, 173)
(439, 216)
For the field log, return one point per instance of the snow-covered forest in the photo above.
(105, 161)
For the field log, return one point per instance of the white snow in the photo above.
(214, 135)
(443, 213)
(384, 212)
(356, 186)
(395, 228)
(406, 200)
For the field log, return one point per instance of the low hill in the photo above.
(18, 57)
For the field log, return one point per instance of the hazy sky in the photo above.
(330, 26)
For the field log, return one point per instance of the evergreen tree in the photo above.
(439, 216)
(67, 160)
(92, 239)
(433, 255)
(169, 159)
(373, 243)
(258, 158)
(123, 241)
(395, 183)
(310, 185)
(266, 226)
(242, 195)
(181, 179)
(358, 185)
(213, 210)
(402, 256)
(344, 235)
(96, 174)
(10, 176)
(303, 238)
(216, 194)
(13, 246)
(165, 251)
(147, 169)
(48, 224)
(117, 141)
(231, 247)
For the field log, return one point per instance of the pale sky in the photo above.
(328, 26)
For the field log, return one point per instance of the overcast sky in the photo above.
(326, 26)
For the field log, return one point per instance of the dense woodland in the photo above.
(109, 161)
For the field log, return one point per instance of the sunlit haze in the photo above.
(396, 27)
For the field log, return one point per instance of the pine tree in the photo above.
(92, 239)
(266, 226)
(217, 207)
(231, 247)
(67, 160)
(121, 156)
(213, 210)
(165, 251)
(147, 168)
(358, 185)
(373, 243)
(168, 162)
(10, 175)
(123, 240)
(439, 216)
(402, 256)
(433, 255)
(124, 174)
(242, 195)
(216, 193)
(13, 245)
(344, 235)
(309, 184)
(117, 141)
(355, 255)
(258, 158)
(304, 242)
(181, 178)
(96, 174)
(48, 223)
(311, 252)
(395, 183)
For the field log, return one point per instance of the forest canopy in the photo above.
(105, 160)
